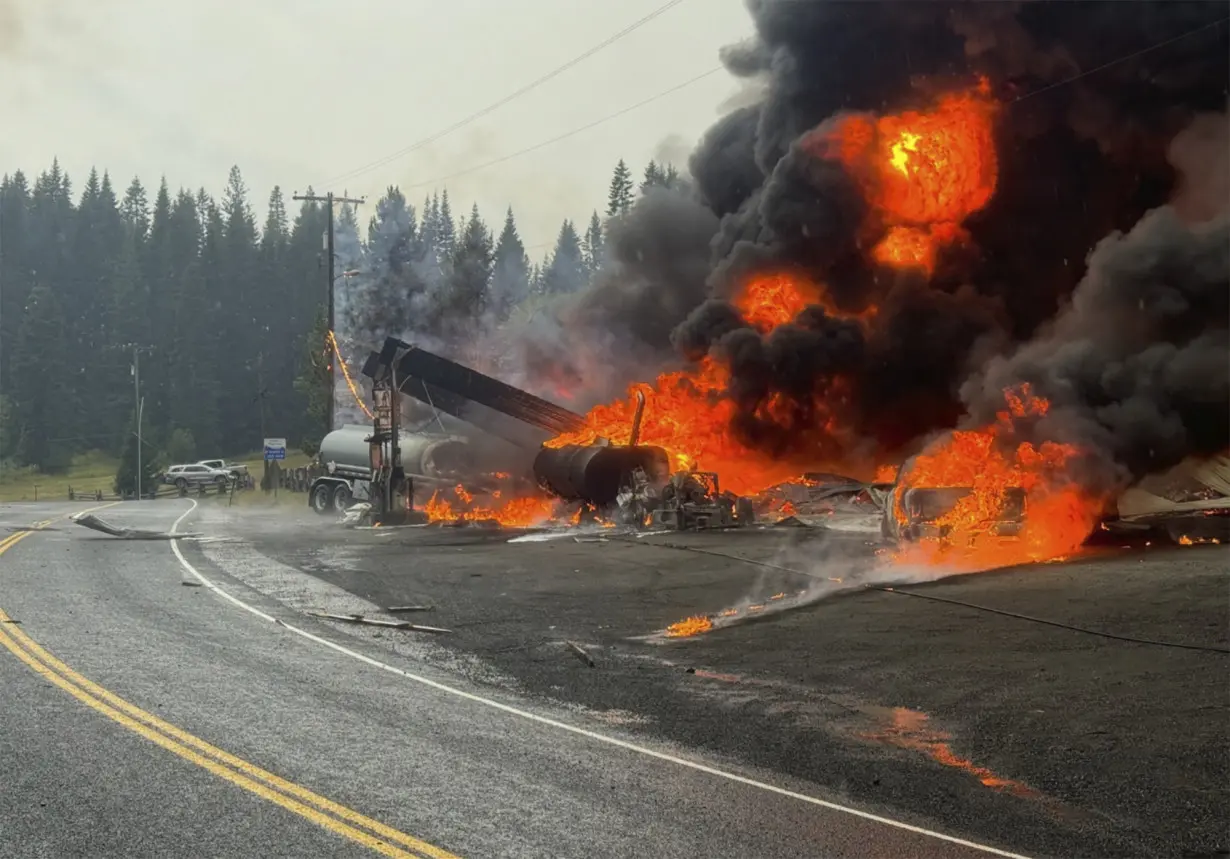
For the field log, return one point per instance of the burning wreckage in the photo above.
(378, 467)
(984, 268)
(633, 485)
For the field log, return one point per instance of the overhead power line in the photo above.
(461, 123)
(1211, 25)
(567, 134)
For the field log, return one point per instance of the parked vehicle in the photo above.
(236, 468)
(183, 476)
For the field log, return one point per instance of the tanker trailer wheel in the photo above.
(341, 498)
(322, 496)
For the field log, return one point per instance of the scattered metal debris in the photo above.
(411, 608)
(92, 522)
(370, 621)
(581, 653)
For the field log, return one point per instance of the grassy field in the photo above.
(96, 470)
(89, 471)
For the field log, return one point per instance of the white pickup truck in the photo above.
(236, 469)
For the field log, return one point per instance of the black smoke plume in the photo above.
(1137, 366)
(1091, 97)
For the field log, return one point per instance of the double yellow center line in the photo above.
(286, 794)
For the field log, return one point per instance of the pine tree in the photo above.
(314, 378)
(18, 264)
(391, 272)
(471, 274)
(238, 295)
(659, 176)
(566, 273)
(135, 210)
(125, 483)
(653, 177)
(42, 384)
(593, 244)
(536, 284)
(619, 200)
(510, 277)
(447, 237)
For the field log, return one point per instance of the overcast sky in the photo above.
(300, 92)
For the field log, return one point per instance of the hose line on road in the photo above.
(1207, 648)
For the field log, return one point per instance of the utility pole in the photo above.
(4, 428)
(135, 371)
(329, 199)
(136, 391)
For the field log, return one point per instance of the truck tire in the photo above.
(342, 498)
(322, 498)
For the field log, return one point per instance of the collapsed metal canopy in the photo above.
(433, 372)
(471, 396)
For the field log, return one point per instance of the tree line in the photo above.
(222, 318)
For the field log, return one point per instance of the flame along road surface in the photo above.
(143, 717)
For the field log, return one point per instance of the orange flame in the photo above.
(694, 625)
(885, 474)
(687, 412)
(1058, 515)
(923, 173)
(515, 513)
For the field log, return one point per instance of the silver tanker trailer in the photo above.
(346, 457)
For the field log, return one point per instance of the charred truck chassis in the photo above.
(693, 501)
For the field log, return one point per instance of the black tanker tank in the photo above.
(596, 473)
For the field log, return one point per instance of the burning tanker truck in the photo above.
(631, 482)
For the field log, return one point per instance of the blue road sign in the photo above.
(275, 449)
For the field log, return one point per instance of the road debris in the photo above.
(581, 653)
(92, 522)
(393, 608)
(371, 621)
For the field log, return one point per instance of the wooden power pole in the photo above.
(329, 199)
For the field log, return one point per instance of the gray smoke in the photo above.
(594, 343)
(1137, 367)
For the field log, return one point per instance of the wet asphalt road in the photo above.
(460, 775)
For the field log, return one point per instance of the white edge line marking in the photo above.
(572, 729)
